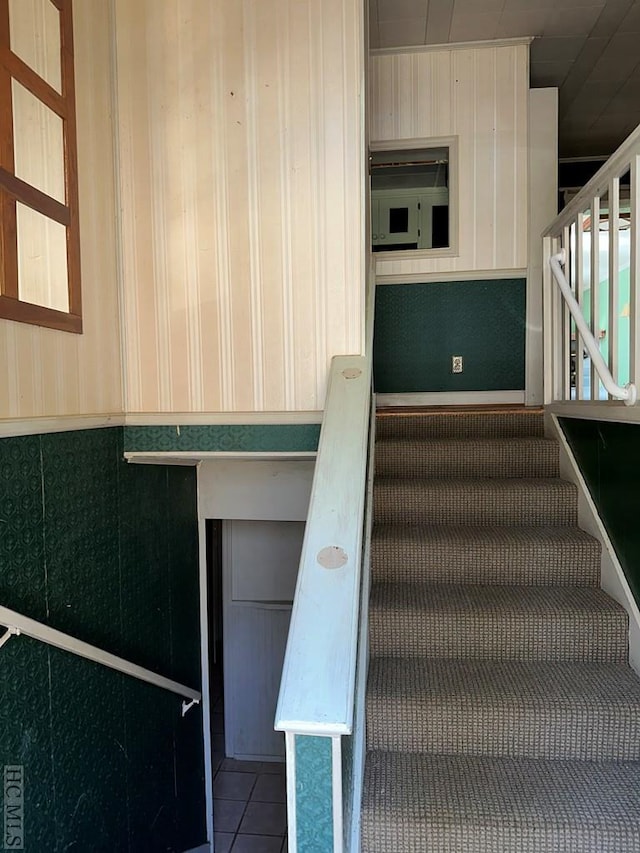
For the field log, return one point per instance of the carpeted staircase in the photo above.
(502, 715)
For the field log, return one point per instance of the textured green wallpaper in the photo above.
(314, 808)
(106, 551)
(418, 327)
(264, 438)
(609, 457)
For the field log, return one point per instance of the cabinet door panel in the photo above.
(397, 221)
(257, 637)
(264, 559)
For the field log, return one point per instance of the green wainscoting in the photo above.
(107, 552)
(256, 438)
(609, 457)
(314, 806)
(418, 327)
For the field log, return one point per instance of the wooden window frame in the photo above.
(13, 190)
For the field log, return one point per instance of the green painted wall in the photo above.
(265, 438)
(623, 314)
(108, 552)
(609, 457)
(418, 327)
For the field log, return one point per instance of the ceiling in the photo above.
(589, 50)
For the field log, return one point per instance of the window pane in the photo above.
(418, 178)
(42, 260)
(34, 27)
(398, 220)
(38, 143)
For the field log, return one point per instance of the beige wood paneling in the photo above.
(44, 372)
(480, 96)
(241, 145)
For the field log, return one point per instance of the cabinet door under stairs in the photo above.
(260, 566)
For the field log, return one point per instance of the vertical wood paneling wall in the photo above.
(44, 372)
(480, 95)
(241, 146)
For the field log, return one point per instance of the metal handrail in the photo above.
(629, 392)
(17, 624)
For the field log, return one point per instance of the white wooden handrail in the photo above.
(318, 684)
(616, 166)
(17, 624)
(318, 678)
(629, 393)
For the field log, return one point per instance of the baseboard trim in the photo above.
(450, 398)
(613, 580)
(12, 427)
(194, 457)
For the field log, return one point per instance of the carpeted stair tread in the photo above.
(449, 804)
(539, 501)
(585, 711)
(460, 425)
(501, 713)
(491, 621)
(492, 554)
(470, 457)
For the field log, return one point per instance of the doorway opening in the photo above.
(252, 568)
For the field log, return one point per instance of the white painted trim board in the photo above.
(596, 411)
(11, 427)
(221, 418)
(543, 200)
(204, 663)
(193, 457)
(290, 752)
(440, 277)
(360, 717)
(337, 804)
(456, 45)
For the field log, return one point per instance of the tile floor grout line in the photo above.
(258, 774)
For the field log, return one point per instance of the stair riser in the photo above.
(597, 638)
(423, 502)
(466, 459)
(412, 562)
(537, 732)
(423, 427)
(385, 836)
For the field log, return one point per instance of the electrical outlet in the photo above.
(456, 364)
